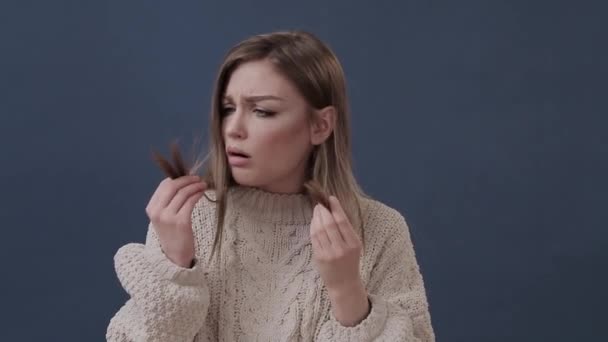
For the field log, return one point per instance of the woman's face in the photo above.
(266, 118)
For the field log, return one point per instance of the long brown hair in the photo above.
(317, 74)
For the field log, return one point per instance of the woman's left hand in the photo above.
(336, 253)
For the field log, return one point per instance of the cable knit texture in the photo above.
(263, 286)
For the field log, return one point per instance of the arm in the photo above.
(399, 308)
(168, 302)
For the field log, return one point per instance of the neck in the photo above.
(274, 207)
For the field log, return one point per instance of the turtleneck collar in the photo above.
(279, 208)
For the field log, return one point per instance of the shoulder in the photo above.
(383, 226)
(380, 217)
(387, 242)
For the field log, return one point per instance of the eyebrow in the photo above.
(255, 98)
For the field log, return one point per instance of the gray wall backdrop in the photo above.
(483, 122)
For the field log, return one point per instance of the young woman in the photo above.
(244, 253)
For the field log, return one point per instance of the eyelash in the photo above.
(223, 111)
(265, 113)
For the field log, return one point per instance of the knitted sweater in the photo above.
(264, 286)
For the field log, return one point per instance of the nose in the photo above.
(234, 125)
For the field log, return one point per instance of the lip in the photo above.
(233, 150)
(238, 161)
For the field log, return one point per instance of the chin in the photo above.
(244, 179)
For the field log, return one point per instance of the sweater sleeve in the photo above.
(399, 308)
(167, 302)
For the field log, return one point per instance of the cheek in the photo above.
(286, 145)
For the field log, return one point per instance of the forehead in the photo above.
(256, 78)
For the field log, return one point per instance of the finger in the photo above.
(316, 246)
(320, 232)
(188, 206)
(317, 250)
(169, 187)
(315, 224)
(346, 229)
(182, 196)
(335, 237)
(154, 199)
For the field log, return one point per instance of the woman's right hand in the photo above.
(170, 212)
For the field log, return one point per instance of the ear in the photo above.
(322, 124)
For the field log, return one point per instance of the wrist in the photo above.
(347, 291)
(185, 262)
(181, 260)
(350, 304)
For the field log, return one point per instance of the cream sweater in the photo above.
(264, 287)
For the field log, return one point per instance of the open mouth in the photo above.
(237, 154)
(237, 158)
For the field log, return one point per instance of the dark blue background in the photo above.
(483, 122)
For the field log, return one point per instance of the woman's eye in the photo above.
(227, 111)
(263, 113)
